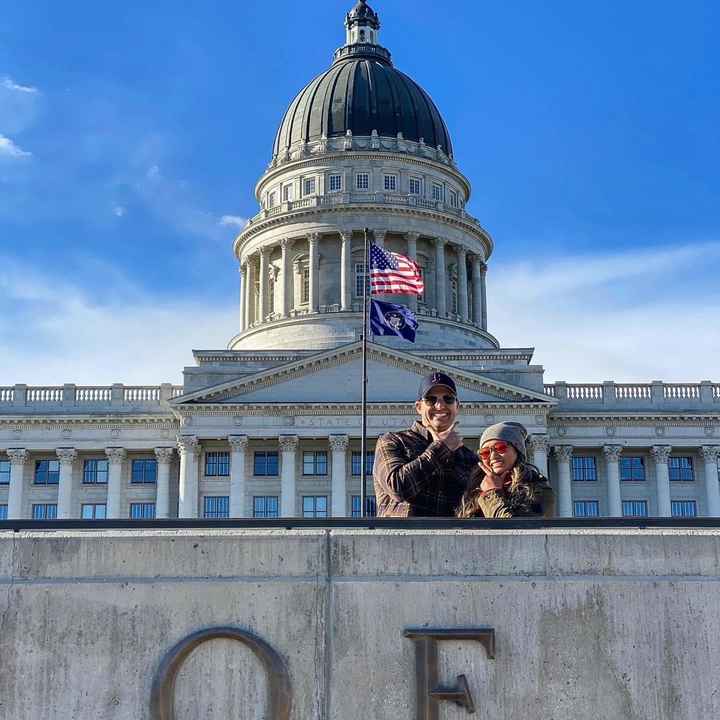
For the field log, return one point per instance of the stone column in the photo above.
(238, 446)
(250, 292)
(339, 445)
(612, 465)
(314, 262)
(563, 453)
(538, 443)
(412, 239)
(189, 448)
(67, 457)
(483, 294)
(379, 236)
(711, 455)
(345, 270)
(164, 457)
(264, 284)
(660, 454)
(477, 263)
(288, 452)
(116, 457)
(16, 492)
(286, 276)
(462, 283)
(243, 283)
(440, 278)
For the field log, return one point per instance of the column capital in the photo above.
(116, 454)
(440, 242)
(18, 456)
(461, 250)
(288, 443)
(265, 252)
(188, 445)
(346, 235)
(661, 453)
(339, 443)
(563, 452)
(612, 452)
(538, 442)
(380, 234)
(286, 243)
(313, 238)
(67, 456)
(710, 453)
(238, 443)
(412, 236)
(164, 455)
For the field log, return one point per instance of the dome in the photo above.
(362, 92)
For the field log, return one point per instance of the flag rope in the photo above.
(363, 440)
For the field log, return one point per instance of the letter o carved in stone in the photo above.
(279, 700)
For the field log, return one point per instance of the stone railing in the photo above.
(636, 395)
(363, 198)
(74, 398)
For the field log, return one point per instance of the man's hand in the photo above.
(491, 481)
(453, 440)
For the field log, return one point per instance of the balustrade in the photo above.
(141, 394)
(93, 394)
(7, 395)
(676, 391)
(633, 392)
(585, 392)
(44, 395)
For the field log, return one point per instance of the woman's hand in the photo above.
(491, 481)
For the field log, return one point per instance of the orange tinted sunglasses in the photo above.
(499, 447)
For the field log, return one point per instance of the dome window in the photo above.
(390, 183)
(437, 192)
(309, 186)
(362, 181)
(288, 193)
(415, 186)
(335, 183)
(454, 199)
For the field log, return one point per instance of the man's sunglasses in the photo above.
(499, 447)
(447, 399)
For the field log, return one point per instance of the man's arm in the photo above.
(397, 477)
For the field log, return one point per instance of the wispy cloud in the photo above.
(20, 106)
(233, 221)
(9, 149)
(635, 316)
(9, 84)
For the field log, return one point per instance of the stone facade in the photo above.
(271, 425)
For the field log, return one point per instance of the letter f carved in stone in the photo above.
(429, 693)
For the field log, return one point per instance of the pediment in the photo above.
(335, 376)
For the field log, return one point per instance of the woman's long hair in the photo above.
(522, 489)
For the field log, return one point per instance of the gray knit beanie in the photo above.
(511, 432)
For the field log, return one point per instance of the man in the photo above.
(424, 471)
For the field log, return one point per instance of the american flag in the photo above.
(394, 274)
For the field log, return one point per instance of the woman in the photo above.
(505, 485)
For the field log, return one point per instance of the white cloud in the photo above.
(9, 149)
(20, 106)
(9, 84)
(601, 318)
(119, 211)
(233, 221)
(53, 332)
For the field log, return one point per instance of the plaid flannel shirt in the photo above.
(415, 476)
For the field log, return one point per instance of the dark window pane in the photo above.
(681, 469)
(587, 508)
(684, 508)
(144, 471)
(315, 506)
(265, 506)
(369, 461)
(44, 511)
(217, 507)
(47, 472)
(635, 508)
(4, 472)
(95, 472)
(142, 511)
(584, 469)
(217, 464)
(95, 511)
(266, 464)
(632, 469)
(3, 512)
(370, 506)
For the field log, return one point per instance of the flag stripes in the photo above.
(394, 274)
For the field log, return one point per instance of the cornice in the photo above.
(100, 421)
(619, 418)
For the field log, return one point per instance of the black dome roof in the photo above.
(362, 93)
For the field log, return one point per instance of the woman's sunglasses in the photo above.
(499, 447)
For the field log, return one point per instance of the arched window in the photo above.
(453, 290)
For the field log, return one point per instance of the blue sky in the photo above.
(131, 138)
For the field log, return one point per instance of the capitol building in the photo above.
(270, 426)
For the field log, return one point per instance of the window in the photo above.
(390, 183)
(681, 469)
(47, 472)
(217, 464)
(437, 192)
(216, 507)
(266, 506)
(4, 472)
(305, 285)
(309, 186)
(315, 506)
(359, 279)
(684, 508)
(144, 471)
(272, 199)
(95, 472)
(315, 462)
(586, 508)
(453, 199)
(266, 463)
(362, 181)
(335, 183)
(142, 511)
(287, 193)
(584, 469)
(632, 469)
(44, 511)
(94, 511)
(370, 506)
(415, 186)
(3, 512)
(635, 508)
(454, 294)
(369, 460)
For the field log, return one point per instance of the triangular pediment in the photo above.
(335, 376)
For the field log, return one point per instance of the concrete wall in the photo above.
(594, 624)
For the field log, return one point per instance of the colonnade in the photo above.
(255, 271)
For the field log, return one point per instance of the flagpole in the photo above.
(363, 440)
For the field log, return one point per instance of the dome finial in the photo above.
(362, 24)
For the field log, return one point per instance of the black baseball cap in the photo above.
(433, 379)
